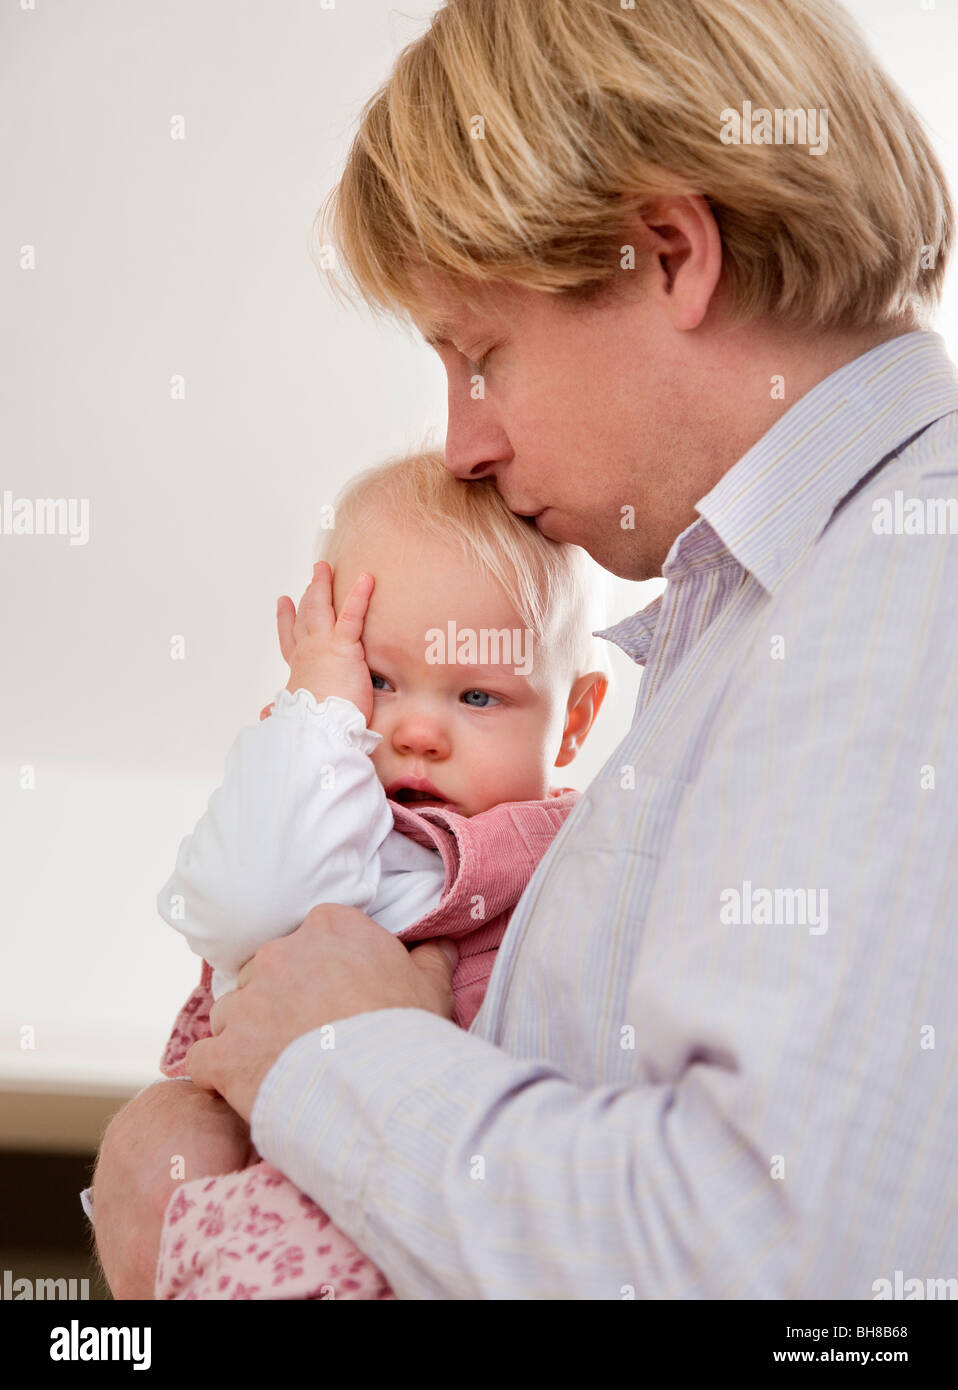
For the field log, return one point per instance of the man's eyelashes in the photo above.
(479, 364)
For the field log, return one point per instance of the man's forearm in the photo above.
(464, 1173)
(135, 1175)
(127, 1208)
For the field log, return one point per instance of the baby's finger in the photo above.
(316, 616)
(285, 622)
(352, 616)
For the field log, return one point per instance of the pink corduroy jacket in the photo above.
(253, 1234)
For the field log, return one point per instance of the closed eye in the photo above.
(480, 365)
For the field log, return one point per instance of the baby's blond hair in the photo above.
(556, 588)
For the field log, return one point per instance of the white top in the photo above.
(301, 819)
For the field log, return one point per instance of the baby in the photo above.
(405, 771)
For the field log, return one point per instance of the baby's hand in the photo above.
(325, 653)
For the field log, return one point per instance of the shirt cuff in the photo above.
(322, 1111)
(334, 711)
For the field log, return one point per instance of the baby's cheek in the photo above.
(523, 777)
(376, 755)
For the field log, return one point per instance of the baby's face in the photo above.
(481, 725)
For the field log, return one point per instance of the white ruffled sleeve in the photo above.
(300, 819)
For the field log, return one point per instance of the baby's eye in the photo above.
(374, 678)
(484, 695)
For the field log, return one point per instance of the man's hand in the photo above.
(325, 654)
(337, 964)
(132, 1185)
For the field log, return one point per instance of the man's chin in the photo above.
(632, 566)
(623, 565)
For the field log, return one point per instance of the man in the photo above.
(678, 262)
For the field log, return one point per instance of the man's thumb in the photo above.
(438, 965)
(443, 945)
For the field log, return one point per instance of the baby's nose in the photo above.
(424, 737)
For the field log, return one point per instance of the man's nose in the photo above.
(476, 444)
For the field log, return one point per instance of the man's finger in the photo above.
(200, 1063)
(438, 960)
(220, 1010)
(449, 949)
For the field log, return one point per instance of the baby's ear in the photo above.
(585, 700)
(601, 687)
(267, 710)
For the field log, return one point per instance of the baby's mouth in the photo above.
(415, 791)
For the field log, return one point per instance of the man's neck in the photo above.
(755, 374)
(777, 368)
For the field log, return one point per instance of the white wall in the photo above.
(157, 257)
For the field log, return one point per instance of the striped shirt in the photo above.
(717, 1055)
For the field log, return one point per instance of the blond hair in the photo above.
(556, 588)
(587, 109)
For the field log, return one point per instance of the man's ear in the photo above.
(585, 701)
(683, 236)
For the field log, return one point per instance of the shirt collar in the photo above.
(634, 634)
(772, 506)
